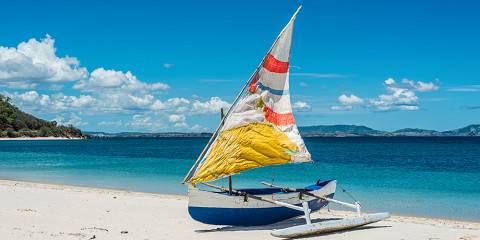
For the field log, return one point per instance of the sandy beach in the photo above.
(47, 211)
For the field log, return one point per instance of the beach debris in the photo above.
(124, 232)
(114, 197)
(93, 237)
(95, 228)
(26, 210)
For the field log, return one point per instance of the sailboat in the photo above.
(259, 130)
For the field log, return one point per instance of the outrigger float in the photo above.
(259, 130)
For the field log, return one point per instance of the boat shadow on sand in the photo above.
(286, 224)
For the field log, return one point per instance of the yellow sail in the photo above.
(259, 130)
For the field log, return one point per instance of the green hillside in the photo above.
(16, 123)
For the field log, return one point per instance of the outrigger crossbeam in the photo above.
(355, 205)
(311, 228)
(304, 208)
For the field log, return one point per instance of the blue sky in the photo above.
(168, 66)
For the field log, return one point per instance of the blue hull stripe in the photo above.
(249, 216)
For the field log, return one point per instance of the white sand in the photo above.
(44, 211)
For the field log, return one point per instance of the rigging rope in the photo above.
(348, 193)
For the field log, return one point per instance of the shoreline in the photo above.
(31, 210)
(79, 188)
(38, 138)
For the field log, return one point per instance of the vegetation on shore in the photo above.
(16, 123)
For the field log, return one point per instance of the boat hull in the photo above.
(219, 208)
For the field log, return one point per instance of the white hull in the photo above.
(223, 209)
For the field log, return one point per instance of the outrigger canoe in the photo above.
(260, 130)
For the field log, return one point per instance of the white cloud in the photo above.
(401, 96)
(34, 62)
(420, 86)
(177, 101)
(181, 125)
(389, 81)
(102, 92)
(74, 120)
(470, 88)
(349, 100)
(301, 106)
(57, 102)
(398, 97)
(101, 79)
(117, 123)
(211, 106)
(175, 118)
(341, 108)
(198, 128)
(143, 122)
(167, 65)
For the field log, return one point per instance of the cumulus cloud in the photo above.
(117, 123)
(175, 118)
(211, 106)
(399, 96)
(101, 79)
(57, 102)
(73, 120)
(419, 86)
(301, 106)
(167, 65)
(103, 91)
(347, 102)
(341, 108)
(144, 122)
(35, 62)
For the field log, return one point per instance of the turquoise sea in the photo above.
(437, 177)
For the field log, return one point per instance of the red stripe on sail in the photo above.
(280, 119)
(274, 65)
(253, 83)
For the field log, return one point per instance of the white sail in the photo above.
(259, 130)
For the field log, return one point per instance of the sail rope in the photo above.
(348, 193)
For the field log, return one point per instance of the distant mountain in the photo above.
(318, 131)
(470, 130)
(354, 130)
(340, 131)
(16, 123)
(416, 132)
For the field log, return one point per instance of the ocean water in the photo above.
(436, 177)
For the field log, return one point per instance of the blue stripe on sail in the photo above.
(272, 91)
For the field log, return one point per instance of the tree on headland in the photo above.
(16, 123)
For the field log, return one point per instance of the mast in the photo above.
(214, 136)
(229, 177)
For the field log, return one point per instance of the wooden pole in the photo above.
(222, 116)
